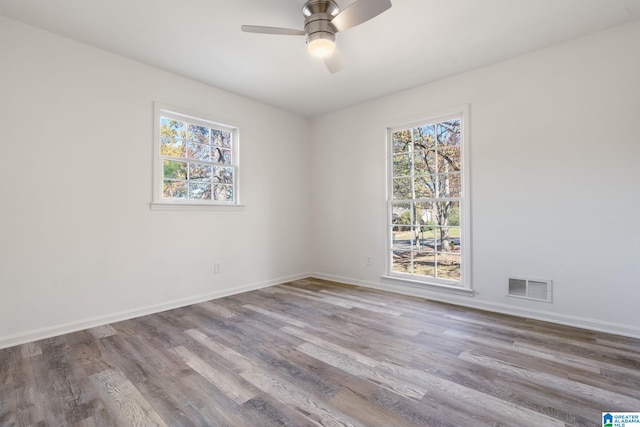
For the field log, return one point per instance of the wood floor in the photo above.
(317, 353)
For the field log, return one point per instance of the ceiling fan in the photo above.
(322, 21)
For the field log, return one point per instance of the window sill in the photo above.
(420, 285)
(194, 207)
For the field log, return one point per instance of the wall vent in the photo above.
(533, 289)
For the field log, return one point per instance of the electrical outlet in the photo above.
(216, 267)
(368, 260)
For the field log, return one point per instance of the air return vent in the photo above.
(534, 289)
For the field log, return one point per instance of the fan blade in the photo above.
(272, 30)
(359, 12)
(334, 62)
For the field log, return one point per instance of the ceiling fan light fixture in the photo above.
(323, 19)
(321, 47)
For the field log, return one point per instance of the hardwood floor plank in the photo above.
(204, 404)
(282, 390)
(264, 410)
(218, 309)
(277, 316)
(331, 375)
(235, 358)
(549, 402)
(125, 401)
(563, 385)
(227, 383)
(366, 412)
(355, 304)
(424, 412)
(297, 288)
(353, 367)
(102, 331)
(67, 380)
(31, 349)
(481, 402)
(314, 296)
(8, 365)
(357, 356)
(599, 361)
(350, 296)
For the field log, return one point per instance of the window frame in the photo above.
(464, 284)
(161, 203)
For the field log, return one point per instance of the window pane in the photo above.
(448, 267)
(402, 188)
(174, 170)
(199, 134)
(223, 175)
(426, 214)
(428, 237)
(401, 236)
(447, 214)
(401, 214)
(449, 185)
(172, 147)
(221, 138)
(200, 172)
(402, 164)
(449, 159)
(223, 192)
(174, 189)
(221, 155)
(425, 162)
(448, 239)
(200, 190)
(449, 132)
(401, 141)
(199, 151)
(424, 137)
(423, 187)
(174, 129)
(402, 262)
(424, 263)
(409, 237)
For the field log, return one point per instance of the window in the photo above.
(196, 161)
(428, 203)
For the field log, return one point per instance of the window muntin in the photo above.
(427, 202)
(196, 160)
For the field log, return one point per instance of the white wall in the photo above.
(79, 244)
(555, 146)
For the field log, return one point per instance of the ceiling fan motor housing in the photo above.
(318, 15)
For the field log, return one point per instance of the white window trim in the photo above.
(163, 204)
(462, 112)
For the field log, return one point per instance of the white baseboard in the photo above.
(52, 331)
(631, 331)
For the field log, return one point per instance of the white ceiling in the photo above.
(414, 42)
